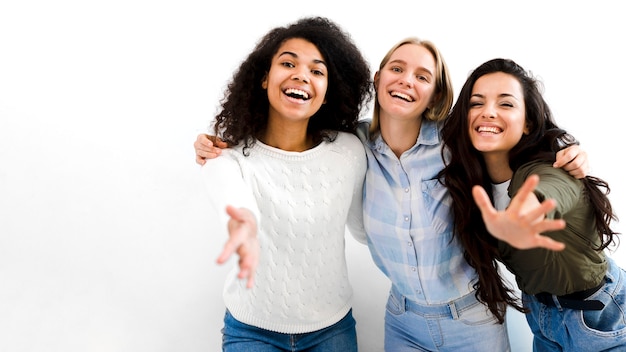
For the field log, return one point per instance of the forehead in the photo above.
(414, 55)
(299, 47)
(498, 83)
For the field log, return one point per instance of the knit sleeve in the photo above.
(223, 179)
(355, 216)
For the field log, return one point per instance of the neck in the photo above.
(498, 167)
(287, 137)
(400, 135)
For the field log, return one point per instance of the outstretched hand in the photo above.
(208, 147)
(242, 232)
(522, 223)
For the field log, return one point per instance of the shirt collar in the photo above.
(429, 135)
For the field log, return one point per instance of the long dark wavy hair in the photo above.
(245, 105)
(466, 168)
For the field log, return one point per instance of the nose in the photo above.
(407, 81)
(300, 76)
(488, 111)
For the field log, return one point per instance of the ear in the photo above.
(526, 130)
(376, 79)
(264, 82)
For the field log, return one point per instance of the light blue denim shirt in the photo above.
(407, 218)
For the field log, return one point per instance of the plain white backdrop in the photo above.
(107, 242)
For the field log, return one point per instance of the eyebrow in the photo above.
(291, 53)
(501, 95)
(421, 68)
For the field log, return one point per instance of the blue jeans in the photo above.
(562, 329)
(461, 325)
(240, 337)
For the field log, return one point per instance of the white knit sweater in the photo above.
(304, 201)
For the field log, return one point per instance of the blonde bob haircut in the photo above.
(443, 95)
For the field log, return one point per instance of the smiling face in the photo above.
(297, 81)
(405, 85)
(497, 115)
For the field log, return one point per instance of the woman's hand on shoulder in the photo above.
(573, 159)
(208, 147)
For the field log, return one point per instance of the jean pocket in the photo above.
(395, 305)
(477, 314)
(612, 318)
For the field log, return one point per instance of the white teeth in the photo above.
(401, 95)
(489, 129)
(299, 92)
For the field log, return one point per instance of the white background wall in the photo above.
(106, 240)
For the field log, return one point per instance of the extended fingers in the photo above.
(539, 212)
(519, 200)
(248, 261)
(549, 225)
(548, 243)
(229, 248)
(243, 240)
(482, 200)
(236, 236)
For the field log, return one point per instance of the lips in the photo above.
(402, 96)
(489, 129)
(297, 93)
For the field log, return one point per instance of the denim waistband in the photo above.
(451, 309)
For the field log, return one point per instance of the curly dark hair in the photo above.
(245, 106)
(466, 168)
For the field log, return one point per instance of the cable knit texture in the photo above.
(304, 201)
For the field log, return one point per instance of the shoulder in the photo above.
(553, 181)
(541, 168)
(348, 147)
(533, 167)
(348, 140)
(227, 160)
(363, 130)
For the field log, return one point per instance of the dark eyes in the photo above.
(313, 71)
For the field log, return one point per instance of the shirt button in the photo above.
(410, 244)
(406, 218)
(406, 190)
(414, 269)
